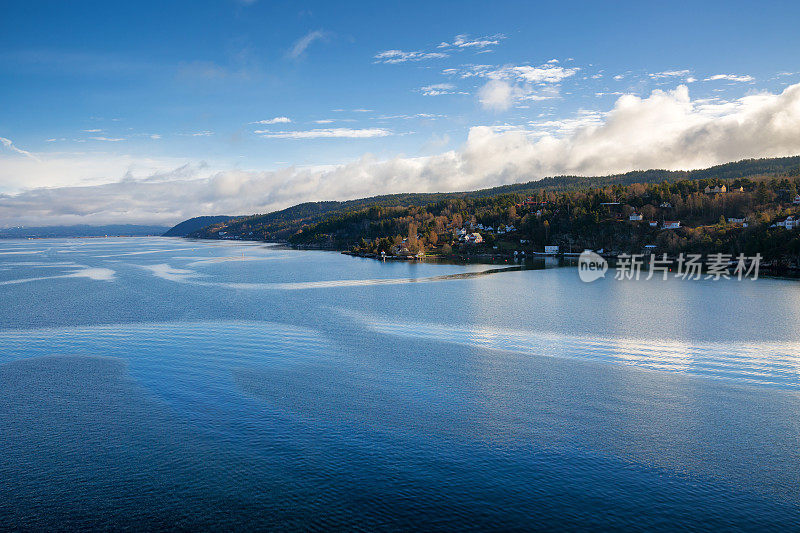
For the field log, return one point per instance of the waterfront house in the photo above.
(671, 224)
(637, 217)
(653, 223)
(552, 250)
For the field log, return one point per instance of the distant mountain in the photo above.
(82, 230)
(193, 224)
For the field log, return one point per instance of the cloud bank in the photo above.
(664, 130)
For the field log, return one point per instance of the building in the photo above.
(637, 217)
(716, 189)
(789, 223)
(474, 238)
(553, 250)
(671, 224)
(665, 205)
(732, 220)
(796, 200)
(653, 223)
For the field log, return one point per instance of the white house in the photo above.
(789, 223)
(796, 200)
(551, 250)
(474, 238)
(636, 217)
(732, 220)
(653, 223)
(671, 224)
(716, 189)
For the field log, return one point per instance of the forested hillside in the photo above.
(567, 211)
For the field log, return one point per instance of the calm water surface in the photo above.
(151, 383)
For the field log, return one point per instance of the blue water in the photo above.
(155, 383)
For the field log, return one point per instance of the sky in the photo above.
(154, 112)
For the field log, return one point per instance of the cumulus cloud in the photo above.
(666, 129)
(496, 95)
(326, 133)
(276, 120)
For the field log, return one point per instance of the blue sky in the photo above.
(101, 93)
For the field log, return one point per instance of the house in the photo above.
(635, 217)
(716, 189)
(400, 250)
(552, 250)
(732, 220)
(671, 224)
(474, 238)
(789, 223)
(653, 223)
(796, 200)
(665, 205)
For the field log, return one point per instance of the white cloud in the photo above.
(324, 121)
(667, 129)
(548, 73)
(437, 89)
(10, 145)
(276, 120)
(327, 133)
(92, 131)
(669, 74)
(730, 77)
(496, 95)
(399, 56)
(301, 45)
(108, 139)
(464, 41)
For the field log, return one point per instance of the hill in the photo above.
(318, 224)
(193, 224)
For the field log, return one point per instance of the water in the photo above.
(161, 383)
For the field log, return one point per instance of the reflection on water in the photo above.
(762, 363)
(161, 390)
